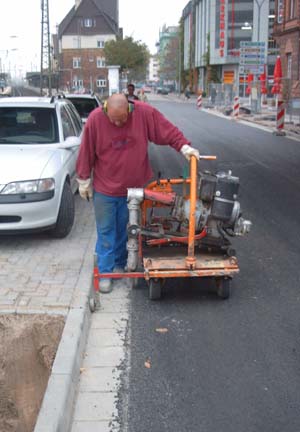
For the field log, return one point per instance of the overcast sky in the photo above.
(20, 25)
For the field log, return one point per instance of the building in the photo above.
(168, 55)
(287, 35)
(80, 44)
(213, 32)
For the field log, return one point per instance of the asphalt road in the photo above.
(233, 365)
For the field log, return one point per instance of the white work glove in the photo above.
(189, 151)
(85, 189)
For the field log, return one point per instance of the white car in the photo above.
(84, 103)
(39, 143)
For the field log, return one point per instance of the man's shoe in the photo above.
(105, 286)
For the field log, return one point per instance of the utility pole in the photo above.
(45, 47)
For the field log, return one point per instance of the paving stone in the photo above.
(106, 337)
(99, 379)
(108, 356)
(91, 406)
(106, 320)
(96, 426)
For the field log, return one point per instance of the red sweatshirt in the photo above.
(118, 156)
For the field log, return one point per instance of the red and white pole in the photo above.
(236, 107)
(280, 117)
(199, 102)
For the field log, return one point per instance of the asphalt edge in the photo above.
(56, 411)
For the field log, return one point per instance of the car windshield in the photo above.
(30, 125)
(84, 106)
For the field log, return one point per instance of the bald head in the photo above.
(117, 109)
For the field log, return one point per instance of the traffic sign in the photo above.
(252, 57)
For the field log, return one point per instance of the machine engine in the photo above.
(218, 211)
(218, 216)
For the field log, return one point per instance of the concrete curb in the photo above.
(56, 411)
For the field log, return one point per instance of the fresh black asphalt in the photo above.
(233, 365)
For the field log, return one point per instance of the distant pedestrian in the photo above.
(187, 92)
(130, 93)
(142, 96)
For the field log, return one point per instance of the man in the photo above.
(130, 93)
(115, 150)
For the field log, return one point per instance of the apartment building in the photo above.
(80, 43)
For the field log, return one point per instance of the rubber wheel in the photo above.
(92, 304)
(155, 286)
(223, 288)
(66, 214)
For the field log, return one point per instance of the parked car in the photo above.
(84, 103)
(39, 143)
(147, 89)
(162, 90)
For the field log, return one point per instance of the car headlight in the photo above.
(31, 186)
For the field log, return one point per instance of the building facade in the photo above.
(287, 35)
(80, 44)
(213, 32)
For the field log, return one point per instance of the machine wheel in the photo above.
(155, 286)
(92, 304)
(223, 287)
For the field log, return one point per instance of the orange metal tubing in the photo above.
(190, 259)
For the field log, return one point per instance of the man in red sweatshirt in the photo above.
(113, 156)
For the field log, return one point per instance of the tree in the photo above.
(131, 56)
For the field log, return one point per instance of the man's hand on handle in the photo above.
(85, 189)
(189, 151)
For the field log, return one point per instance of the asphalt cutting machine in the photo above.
(181, 228)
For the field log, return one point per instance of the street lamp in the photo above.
(246, 26)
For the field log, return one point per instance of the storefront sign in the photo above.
(222, 28)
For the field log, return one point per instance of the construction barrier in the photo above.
(280, 117)
(199, 102)
(236, 107)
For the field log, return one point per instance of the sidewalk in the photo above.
(42, 275)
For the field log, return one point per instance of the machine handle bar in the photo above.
(208, 157)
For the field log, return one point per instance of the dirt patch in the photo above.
(28, 345)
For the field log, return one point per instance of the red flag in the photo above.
(277, 77)
(262, 78)
(249, 80)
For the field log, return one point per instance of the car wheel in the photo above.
(66, 214)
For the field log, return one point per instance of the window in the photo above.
(76, 42)
(28, 125)
(292, 9)
(101, 82)
(289, 65)
(78, 83)
(75, 118)
(76, 62)
(88, 22)
(100, 43)
(100, 62)
(68, 128)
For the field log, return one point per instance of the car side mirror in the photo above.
(70, 142)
